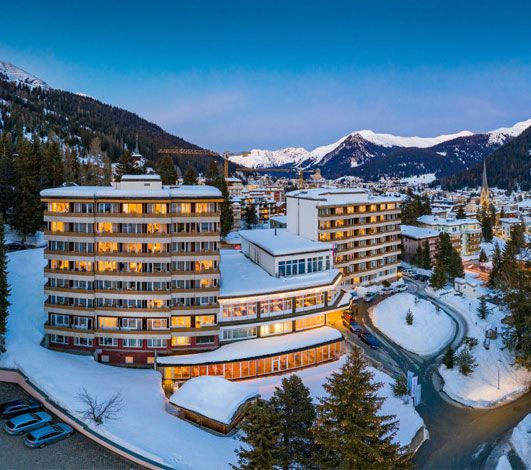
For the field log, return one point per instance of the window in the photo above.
(156, 343)
(106, 323)
(312, 322)
(291, 267)
(157, 323)
(308, 302)
(132, 323)
(59, 320)
(205, 340)
(59, 339)
(180, 322)
(276, 328)
(204, 320)
(180, 340)
(275, 307)
(239, 333)
(78, 341)
(132, 343)
(108, 341)
(129, 359)
(58, 207)
(239, 310)
(57, 227)
(131, 208)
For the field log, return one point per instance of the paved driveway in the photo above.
(76, 452)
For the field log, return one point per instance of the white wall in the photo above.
(302, 217)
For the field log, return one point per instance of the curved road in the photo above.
(460, 437)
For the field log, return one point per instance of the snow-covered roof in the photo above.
(340, 196)
(468, 280)
(241, 277)
(279, 242)
(214, 397)
(153, 177)
(259, 347)
(183, 191)
(418, 233)
(434, 220)
(510, 220)
(283, 219)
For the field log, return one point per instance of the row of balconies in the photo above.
(114, 235)
(359, 259)
(118, 215)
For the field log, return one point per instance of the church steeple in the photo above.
(136, 152)
(484, 198)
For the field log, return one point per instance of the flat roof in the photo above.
(340, 196)
(214, 397)
(411, 231)
(183, 191)
(240, 277)
(434, 220)
(279, 242)
(255, 348)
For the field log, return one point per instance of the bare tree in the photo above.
(97, 410)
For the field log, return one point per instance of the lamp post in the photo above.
(498, 367)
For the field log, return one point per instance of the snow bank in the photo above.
(521, 440)
(213, 397)
(431, 330)
(480, 389)
(143, 426)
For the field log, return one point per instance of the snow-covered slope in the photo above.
(12, 73)
(364, 139)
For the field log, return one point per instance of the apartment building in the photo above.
(363, 229)
(414, 238)
(132, 269)
(465, 234)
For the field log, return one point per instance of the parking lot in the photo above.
(76, 452)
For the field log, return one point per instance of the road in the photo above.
(77, 452)
(460, 437)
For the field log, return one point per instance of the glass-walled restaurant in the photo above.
(254, 366)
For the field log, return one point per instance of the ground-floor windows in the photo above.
(132, 343)
(239, 333)
(58, 339)
(84, 342)
(199, 340)
(108, 341)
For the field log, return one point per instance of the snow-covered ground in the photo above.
(426, 178)
(521, 440)
(11, 236)
(143, 425)
(480, 389)
(431, 329)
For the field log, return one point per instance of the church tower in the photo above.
(484, 197)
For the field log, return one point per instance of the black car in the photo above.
(369, 339)
(18, 407)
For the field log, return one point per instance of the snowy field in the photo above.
(143, 425)
(480, 389)
(431, 329)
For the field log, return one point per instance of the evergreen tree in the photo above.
(349, 428)
(126, 165)
(417, 260)
(212, 171)
(249, 215)
(190, 176)
(261, 436)
(72, 169)
(465, 361)
(7, 175)
(107, 171)
(455, 265)
(166, 170)
(4, 288)
(226, 215)
(517, 238)
(409, 317)
(426, 258)
(460, 214)
(400, 386)
(482, 256)
(27, 207)
(438, 278)
(486, 225)
(52, 170)
(296, 414)
(497, 267)
(448, 358)
(482, 308)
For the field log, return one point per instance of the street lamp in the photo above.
(498, 367)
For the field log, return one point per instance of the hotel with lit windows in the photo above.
(364, 230)
(135, 276)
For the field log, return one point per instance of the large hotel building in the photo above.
(135, 276)
(364, 230)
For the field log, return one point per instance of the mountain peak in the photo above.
(12, 73)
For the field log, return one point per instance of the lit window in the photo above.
(180, 340)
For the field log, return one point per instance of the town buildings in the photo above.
(414, 238)
(364, 229)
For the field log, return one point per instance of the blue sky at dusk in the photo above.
(237, 75)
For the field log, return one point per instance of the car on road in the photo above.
(388, 290)
(14, 408)
(370, 297)
(26, 422)
(355, 327)
(369, 339)
(400, 288)
(48, 435)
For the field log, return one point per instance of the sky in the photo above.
(235, 75)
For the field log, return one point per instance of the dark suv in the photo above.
(18, 407)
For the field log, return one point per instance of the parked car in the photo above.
(400, 288)
(18, 407)
(369, 339)
(26, 422)
(48, 435)
(388, 290)
(370, 297)
(355, 327)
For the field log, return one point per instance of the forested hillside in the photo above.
(508, 167)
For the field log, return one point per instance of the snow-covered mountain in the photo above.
(12, 73)
(367, 153)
